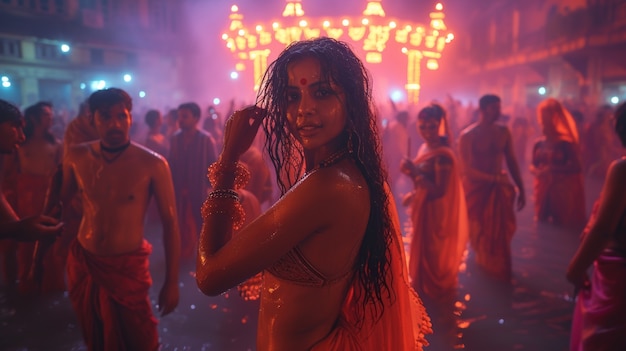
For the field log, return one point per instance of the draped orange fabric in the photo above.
(492, 224)
(559, 196)
(440, 232)
(110, 297)
(404, 321)
(79, 130)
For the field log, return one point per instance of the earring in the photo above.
(350, 144)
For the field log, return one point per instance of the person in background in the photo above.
(599, 321)
(490, 196)
(26, 179)
(155, 140)
(191, 152)
(557, 167)
(13, 228)
(439, 222)
(212, 124)
(80, 129)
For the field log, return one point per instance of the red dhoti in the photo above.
(110, 297)
(599, 322)
(492, 225)
(27, 198)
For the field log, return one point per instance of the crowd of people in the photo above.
(293, 199)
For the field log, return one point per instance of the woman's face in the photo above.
(316, 109)
(429, 129)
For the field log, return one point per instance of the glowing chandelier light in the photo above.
(371, 32)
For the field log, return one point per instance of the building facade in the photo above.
(525, 51)
(62, 50)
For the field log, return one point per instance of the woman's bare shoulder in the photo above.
(345, 178)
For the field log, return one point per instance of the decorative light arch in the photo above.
(371, 32)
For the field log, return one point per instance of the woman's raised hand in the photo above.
(240, 130)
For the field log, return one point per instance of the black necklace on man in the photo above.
(117, 151)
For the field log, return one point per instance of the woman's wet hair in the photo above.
(340, 66)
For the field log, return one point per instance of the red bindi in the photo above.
(303, 81)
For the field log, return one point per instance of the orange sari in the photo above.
(558, 196)
(404, 321)
(440, 232)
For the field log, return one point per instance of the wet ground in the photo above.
(532, 314)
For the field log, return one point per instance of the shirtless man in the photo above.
(108, 275)
(26, 181)
(490, 195)
(34, 227)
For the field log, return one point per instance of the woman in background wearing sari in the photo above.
(556, 165)
(439, 222)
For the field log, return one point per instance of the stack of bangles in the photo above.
(226, 201)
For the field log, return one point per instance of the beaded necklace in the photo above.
(329, 161)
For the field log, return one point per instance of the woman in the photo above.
(600, 315)
(330, 249)
(439, 220)
(556, 165)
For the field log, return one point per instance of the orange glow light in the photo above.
(370, 32)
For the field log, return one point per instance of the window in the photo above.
(49, 52)
(48, 6)
(10, 48)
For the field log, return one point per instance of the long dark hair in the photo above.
(339, 65)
